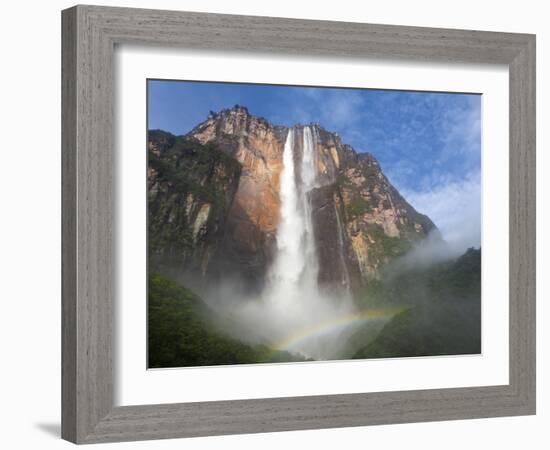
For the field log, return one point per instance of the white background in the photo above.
(135, 386)
(30, 229)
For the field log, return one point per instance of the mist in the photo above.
(424, 254)
(292, 313)
(455, 208)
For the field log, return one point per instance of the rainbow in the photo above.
(365, 315)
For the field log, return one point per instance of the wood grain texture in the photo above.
(89, 36)
(523, 224)
(68, 225)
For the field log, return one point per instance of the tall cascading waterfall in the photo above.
(296, 307)
(308, 175)
(293, 313)
(295, 267)
(289, 261)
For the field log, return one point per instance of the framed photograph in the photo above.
(278, 224)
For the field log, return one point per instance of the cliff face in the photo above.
(360, 220)
(358, 201)
(247, 247)
(190, 191)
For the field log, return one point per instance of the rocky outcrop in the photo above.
(190, 191)
(360, 220)
(247, 246)
(336, 269)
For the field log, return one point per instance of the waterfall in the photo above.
(308, 178)
(293, 313)
(295, 268)
(308, 161)
(289, 262)
(343, 265)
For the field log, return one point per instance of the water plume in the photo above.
(292, 303)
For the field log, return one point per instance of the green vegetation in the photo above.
(423, 220)
(458, 279)
(189, 166)
(454, 279)
(428, 330)
(371, 172)
(442, 313)
(373, 295)
(439, 306)
(417, 218)
(358, 206)
(385, 246)
(181, 332)
(183, 176)
(343, 181)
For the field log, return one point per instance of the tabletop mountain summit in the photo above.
(237, 195)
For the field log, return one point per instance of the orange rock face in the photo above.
(254, 213)
(254, 143)
(360, 220)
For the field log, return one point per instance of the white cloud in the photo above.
(343, 109)
(435, 159)
(336, 110)
(461, 128)
(455, 208)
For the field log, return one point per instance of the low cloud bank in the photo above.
(426, 253)
(455, 208)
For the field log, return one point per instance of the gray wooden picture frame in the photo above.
(90, 34)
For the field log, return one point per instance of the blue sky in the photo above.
(428, 144)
